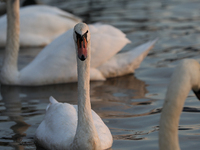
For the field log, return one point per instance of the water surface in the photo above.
(129, 105)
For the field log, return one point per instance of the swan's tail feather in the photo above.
(146, 47)
(52, 101)
(126, 62)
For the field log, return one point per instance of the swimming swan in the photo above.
(185, 77)
(60, 129)
(39, 25)
(56, 63)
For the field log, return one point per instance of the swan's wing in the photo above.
(106, 41)
(43, 24)
(126, 62)
(103, 131)
(58, 127)
(96, 75)
(56, 63)
(39, 25)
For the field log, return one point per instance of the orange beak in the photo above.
(82, 48)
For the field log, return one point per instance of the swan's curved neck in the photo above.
(9, 68)
(180, 85)
(86, 133)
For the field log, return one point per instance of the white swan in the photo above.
(60, 129)
(39, 25)
(56, 62)
(185, 78)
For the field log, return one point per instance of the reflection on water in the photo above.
(130, 106)
(13, 113)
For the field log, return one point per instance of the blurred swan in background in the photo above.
(185, 77)
(39, 25)
(61, 129)
(56, 62)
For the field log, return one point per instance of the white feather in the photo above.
(56, 63)
(39, 25)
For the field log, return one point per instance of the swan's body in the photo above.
(185, 78)
(63, 134)
(56, 63)
(61, 129)
(39, 25)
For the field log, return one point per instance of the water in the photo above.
(130, 105)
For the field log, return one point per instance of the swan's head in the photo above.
(191, 68)
(197, 93)
(82, 39)
(196, 77)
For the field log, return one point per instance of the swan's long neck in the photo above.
(86, 133)
(182, 81)
(9, 69)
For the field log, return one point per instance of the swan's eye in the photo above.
(82, 38)
(197, 93)
(78, 36)
(85, 35)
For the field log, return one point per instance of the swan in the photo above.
(55, 63)
(60, 129)
(39, 25)
(185, 77)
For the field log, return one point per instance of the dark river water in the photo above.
(129, 105)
